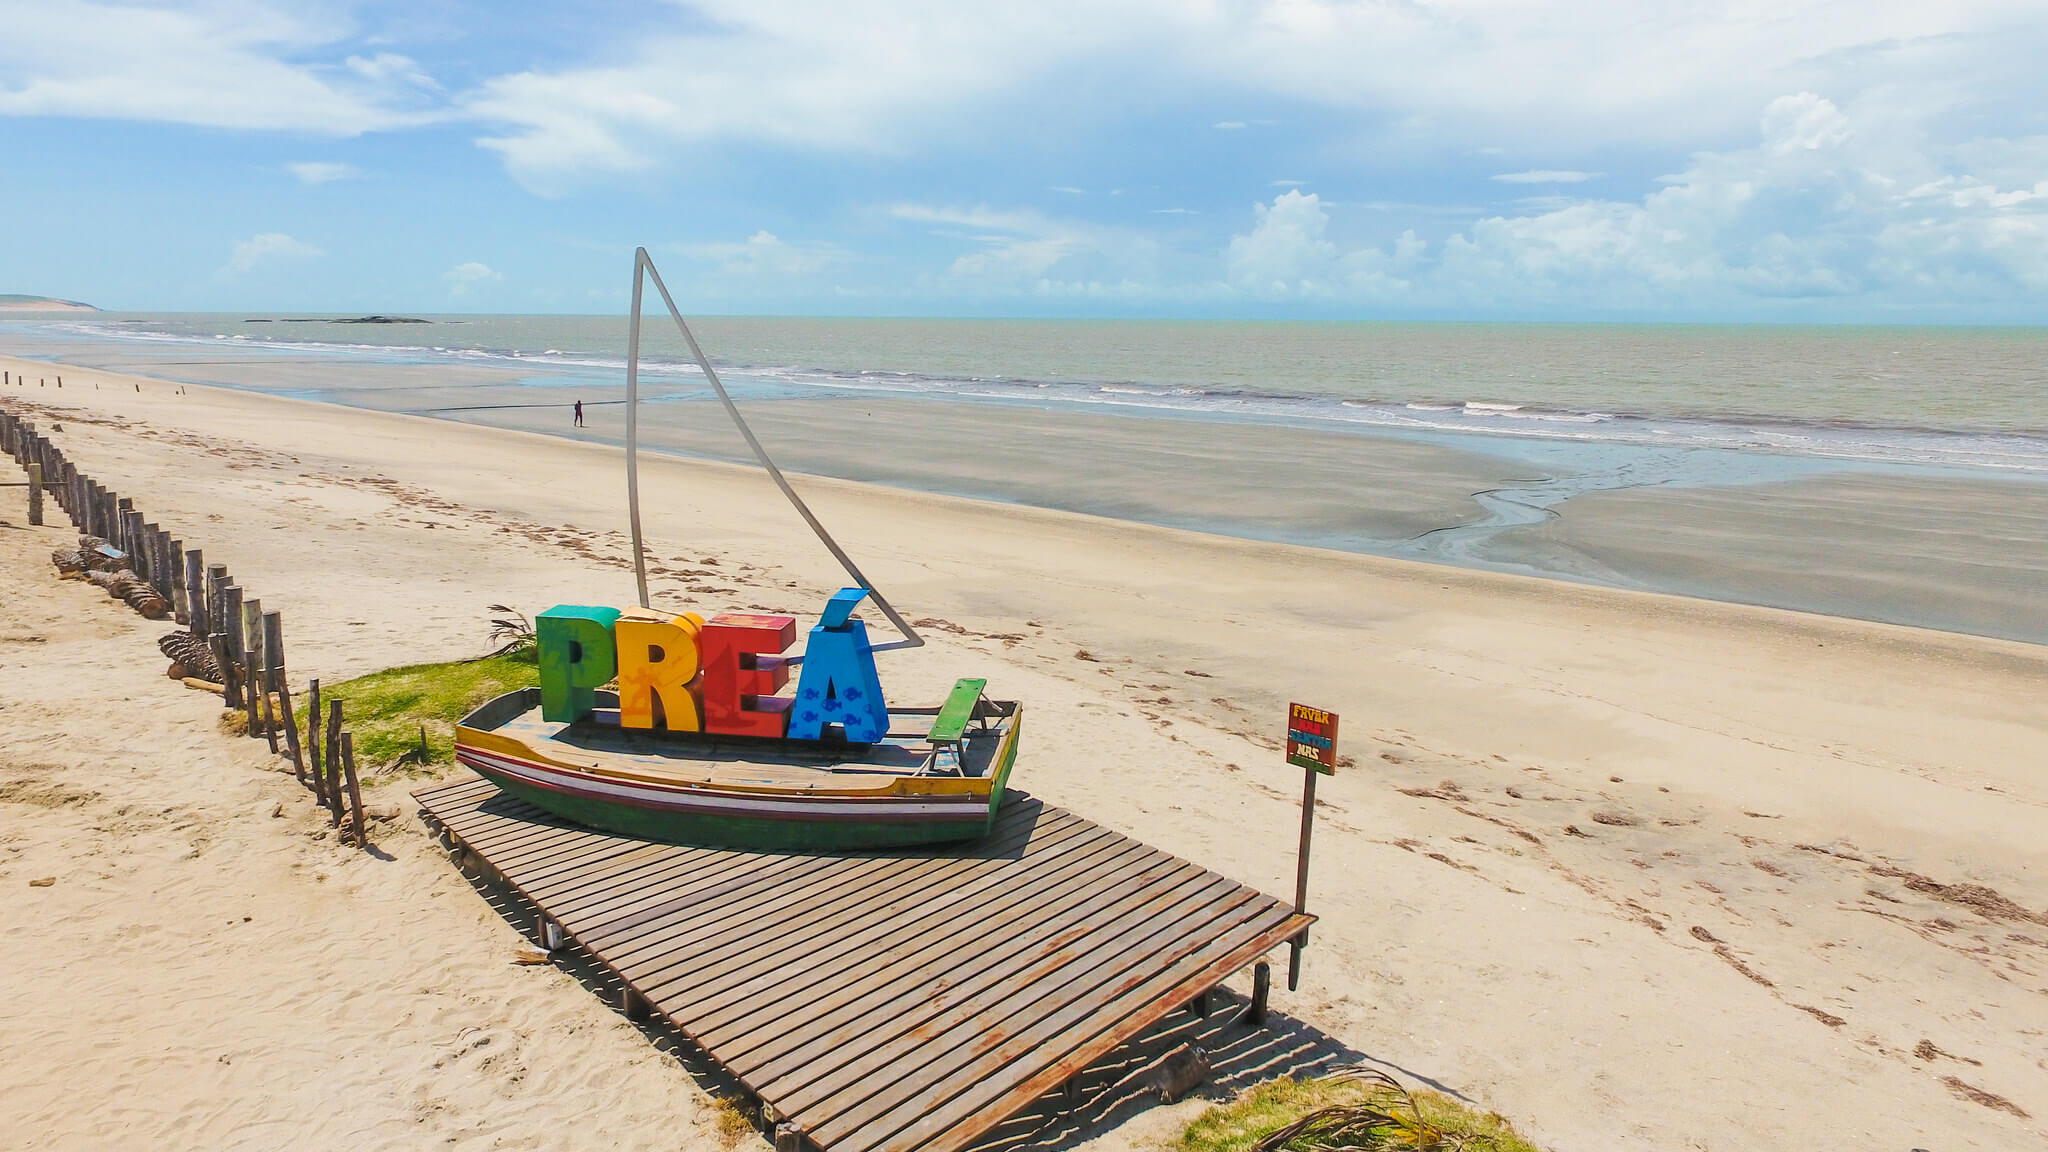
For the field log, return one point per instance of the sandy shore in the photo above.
(1633, 870)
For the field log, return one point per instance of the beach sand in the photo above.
(1634, 870)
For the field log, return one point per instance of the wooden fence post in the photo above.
(313, 740)
(273, 658)
(250, 625)
(228, 625)
(216, 579)
(334, 761)
(35, 494)
(355, 791)
(195, 591)
(160, 561)
(181, 605)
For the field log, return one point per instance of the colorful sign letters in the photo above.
(1312, 738)
(686, 674)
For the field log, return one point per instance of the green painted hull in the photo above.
(750, 834)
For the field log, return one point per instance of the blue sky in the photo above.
(1874, 161)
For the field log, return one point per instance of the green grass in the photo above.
(1239, 1125)
(384, 711)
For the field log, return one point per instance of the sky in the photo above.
(1869, 162)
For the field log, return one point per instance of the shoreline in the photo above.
(1515, 505)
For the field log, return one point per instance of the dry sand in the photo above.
(1636, 871)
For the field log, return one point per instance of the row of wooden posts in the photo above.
(246, 641)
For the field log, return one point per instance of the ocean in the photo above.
(1966, 397)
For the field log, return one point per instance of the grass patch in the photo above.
(1244, 1123)
(385, 711)
(733, 1121)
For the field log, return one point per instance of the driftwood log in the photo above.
(191, 653)
(97, 560)
(136, 591)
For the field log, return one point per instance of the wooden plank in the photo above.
(820, 927)
(932, 1111)
(836, 977)
(822, 991)
(865, 865)
(852, 872)
(882, 1015)
(937, 1051)
(961, 1134)
(588, 892)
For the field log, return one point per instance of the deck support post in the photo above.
(551, 935)
(1262, 988)
(1199, 1006)
(633, 1004)
(789, 1138)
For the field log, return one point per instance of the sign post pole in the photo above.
(1311, 743)
(1308, 826)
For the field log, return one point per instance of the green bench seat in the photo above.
(957, 711)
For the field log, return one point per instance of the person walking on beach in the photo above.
(579, 414)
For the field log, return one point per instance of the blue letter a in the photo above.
(839, 683)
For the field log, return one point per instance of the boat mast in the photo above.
(643, 266)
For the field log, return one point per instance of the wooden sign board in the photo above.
(1312, 738)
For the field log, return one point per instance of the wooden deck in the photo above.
(887, 1002)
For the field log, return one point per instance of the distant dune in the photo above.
(14, 303)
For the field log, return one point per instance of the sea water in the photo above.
(1966, 397)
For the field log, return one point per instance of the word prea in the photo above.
(687, 674)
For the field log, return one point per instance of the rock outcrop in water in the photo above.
(338, 320)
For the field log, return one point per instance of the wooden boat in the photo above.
(937, 776)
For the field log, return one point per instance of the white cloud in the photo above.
(1008, 245)
(764, 256)
(265, 248)
(236, 65)
(1020, 250)
(322, 172)
(889, 76)
(1804, 122)
(1546, 176)
(1826, 204)
(1446, 76)
(386, 67)
(466, 276)
(1285, 254)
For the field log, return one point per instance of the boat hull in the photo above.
(918, 812)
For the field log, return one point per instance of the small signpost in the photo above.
(1311, 743)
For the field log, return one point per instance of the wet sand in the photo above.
(1949, 552)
